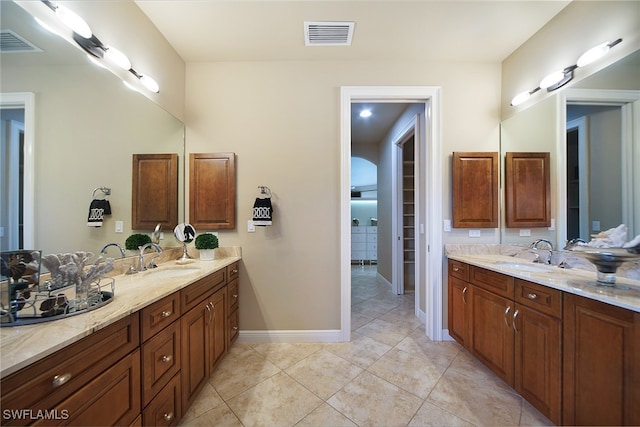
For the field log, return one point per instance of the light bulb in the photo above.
(520, 98)
(365, 113)
(149, 83)
(117, 57)
(593, 54)
(74, 22)
(551, 79)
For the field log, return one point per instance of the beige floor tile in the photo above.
(532, 417)
(323, 373)
(218, 417)
(284, 355)
(240, 371)
(277, 401)
(358, 320)
(410, 371)
(362, 350)
(371, 401)
(207, 400)
(325, 416)
(382, 331)
(440, 354)
(430, 415)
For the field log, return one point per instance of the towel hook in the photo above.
(264, 190)
(105, 190)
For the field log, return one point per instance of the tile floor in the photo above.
(390, 374)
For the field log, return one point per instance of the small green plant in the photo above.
(206, 241)
(134, 241)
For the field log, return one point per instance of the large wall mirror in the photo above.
(85, 127)
(592, 131)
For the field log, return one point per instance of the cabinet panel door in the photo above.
(218, 327)
(155, 191)
(538, 360)
(212, 191)
(601, 363)
(195, 343)
(475, 190)
(491, 333)
(459, 310)
(528, 190)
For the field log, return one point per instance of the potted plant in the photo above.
(136, 240)
(206, 243)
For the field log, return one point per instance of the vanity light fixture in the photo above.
(94, 47)
(559, 78)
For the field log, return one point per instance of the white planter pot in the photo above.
(207, 254)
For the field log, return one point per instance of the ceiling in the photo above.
(416, 30)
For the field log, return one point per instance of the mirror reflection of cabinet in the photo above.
(475, 190)
(528, 190)
(212, 191)
(155, 191)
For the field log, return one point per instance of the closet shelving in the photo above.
(408, 205)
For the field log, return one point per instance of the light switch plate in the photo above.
(251, 228)
(474, 233)
(447, 225)
(595, 226)
(119, 226)
(525, 232)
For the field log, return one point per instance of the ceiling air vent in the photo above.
(11, 42)
(321, 33)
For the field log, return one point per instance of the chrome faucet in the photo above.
(141, 266)
(104, 249)
(573, 242)
(535, 246)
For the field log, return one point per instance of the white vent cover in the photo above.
(11, 42)
(323, 33)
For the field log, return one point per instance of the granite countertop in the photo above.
(23, 345)
(579, 280)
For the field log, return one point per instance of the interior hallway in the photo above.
(390, 374)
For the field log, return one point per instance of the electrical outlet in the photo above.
(251, 227)
(595, 226)
(474, 233)
(447, 225)
(525, 233)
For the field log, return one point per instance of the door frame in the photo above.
(431, 205)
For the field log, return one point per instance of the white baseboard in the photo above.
(290, 336)
(383, 279)
(446, 336)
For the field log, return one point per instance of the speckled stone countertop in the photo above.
(21, 346)
(579, 279)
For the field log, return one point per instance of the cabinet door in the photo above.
(212, 191)
(195, 335)
(528, 190)
(601, 363)
(538, 360)
(459, 313)
(475, 190)
(491, 332)
(155, 191)
(218, 327)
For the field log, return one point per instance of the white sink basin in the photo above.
(167, 273)
(533, 268)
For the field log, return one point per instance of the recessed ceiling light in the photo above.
(365, 113)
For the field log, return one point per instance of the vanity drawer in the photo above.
(160, 361)
(492, 281)
(233, 271)
(232, 296)
(47, 382)
(165, 408)
(158, 315)
(459, 269)
(193, 294)
(538, 297)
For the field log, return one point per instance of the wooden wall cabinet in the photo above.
(155, 191)
(475, 190)
(212, 191)
(528, 190)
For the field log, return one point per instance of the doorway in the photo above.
(428, 210)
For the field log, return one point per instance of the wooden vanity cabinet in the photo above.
(475, 190)
(513, 327)
(155, 191)
(203, 329)
(233, 314)
(212, 191)
(601, 363)
(527, 190)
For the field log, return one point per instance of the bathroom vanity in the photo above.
(140, 360)
(569, 347)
